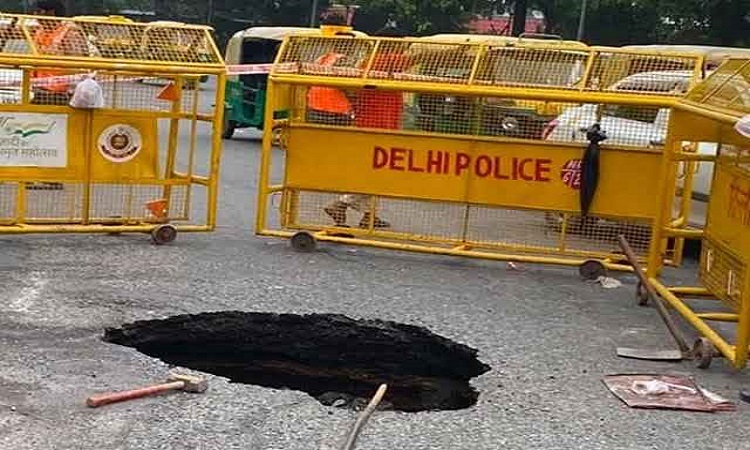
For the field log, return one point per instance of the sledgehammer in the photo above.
(187, 383)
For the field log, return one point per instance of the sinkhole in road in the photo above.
(336, 359)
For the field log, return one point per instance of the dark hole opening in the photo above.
(336, 359)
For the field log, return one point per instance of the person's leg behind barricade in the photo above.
(358, 202)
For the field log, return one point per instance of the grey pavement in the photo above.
(549, 337)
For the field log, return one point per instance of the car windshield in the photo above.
(653, 84)
(645, 114)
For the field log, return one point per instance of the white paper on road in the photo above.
(33, 140)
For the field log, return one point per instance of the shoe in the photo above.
(378, 222)
(337, 212)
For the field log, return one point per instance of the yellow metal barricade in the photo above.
(134, 160)
(468, 148)
(706, 117)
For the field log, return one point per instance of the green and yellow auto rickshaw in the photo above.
(252, 52)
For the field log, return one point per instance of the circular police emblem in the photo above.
(119, 143)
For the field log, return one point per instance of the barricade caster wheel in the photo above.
(163, 234)
(592, 270)
(703, 353)
(641, 295)
(304, 242)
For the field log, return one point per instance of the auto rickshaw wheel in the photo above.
(228, 126)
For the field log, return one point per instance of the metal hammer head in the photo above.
(192, 383)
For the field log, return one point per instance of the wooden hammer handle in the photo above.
(113, 397)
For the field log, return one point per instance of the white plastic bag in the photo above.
(88, 94)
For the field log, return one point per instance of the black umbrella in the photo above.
(590, 166)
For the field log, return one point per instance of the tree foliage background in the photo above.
(608, 22)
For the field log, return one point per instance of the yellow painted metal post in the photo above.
(265, 158)
(193, 142)
(664, 206)
(172, 143)
(88, 147)
(216, 150)
(685, 208)
(21, 186)
(743, 325)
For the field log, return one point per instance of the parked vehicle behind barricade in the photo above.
(168, 39)
(249, 56)
(647, 127)
(511, 60)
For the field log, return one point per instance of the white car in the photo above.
(637, 126)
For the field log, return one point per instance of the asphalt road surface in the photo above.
(548, 336)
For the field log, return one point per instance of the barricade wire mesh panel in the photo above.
(723, 274)
(128, 202)
(58, 202)
(122, 91)
(136, 93)
(543, 230)
(448, 63)
(10, 85)
(737, 158)
(734, 94)
(156, 41)
(342, 56)
(520, 65)
(522, 231)
(728, 87)
(642, 73)
(200, 162)
(8, 195)
(625, 125)
(532, 67)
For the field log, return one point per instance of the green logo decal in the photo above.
(11, 127)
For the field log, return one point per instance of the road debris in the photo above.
(351, 439)
(654, 391)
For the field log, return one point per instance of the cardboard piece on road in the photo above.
(665, 392)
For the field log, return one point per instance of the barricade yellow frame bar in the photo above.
(172, 69)
(280, 76)
(722, 121)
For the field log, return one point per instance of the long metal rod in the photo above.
(673, 330)
(703, 328)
